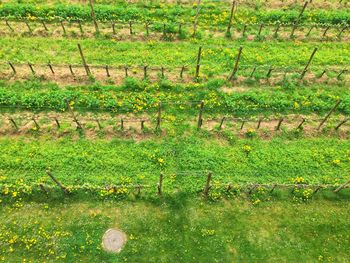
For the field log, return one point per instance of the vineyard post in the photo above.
(329, 114)
(36, 123)
(342, 187)
(198, 62)
(63, 188)
(268, 75)
(130, 28)
(341, 73)
(318, 189)
(233, 8)
(121, 124)
(259, 124)
(126, 71)
(73, 116)
(301, 124)
(207, 185)
(277, 29)
(323, 72)
(51, 68)
(200, 115)
(341, 123)
(252, 74)
(260, 29)
(142, 125)
(80, 27)
(235, 68)
(12, 67)
(325, 32)
(87, 70)
(308, 63)
(279, 124)
(309, 32)
(180, 29)
(196, 19)
(147, 28)
(9, 26)
(341, 32)
(14, 123)
(31, 68)
(63, 28)
(298, 19)
(145, 72)
(28, 26)
(164, 31)
(182, 72)
(113, 28)
(244, 30)
(160, 184)
(273, 188)
(44, 25)
(57, 123)
(242, 125)
(42, 188)
(98, 124)
(222, 123)
(91, 3)
(107, 71)
(162, 72)
(159, 116)
(71, 70)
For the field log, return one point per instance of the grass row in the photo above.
(136, 96)
(210, 14)
(190, 230)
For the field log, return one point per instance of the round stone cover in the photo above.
(113, 240)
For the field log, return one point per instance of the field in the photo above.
(207, 131)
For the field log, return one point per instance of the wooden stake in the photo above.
(207, 185)
(121, 124)
(159, 116)
(252, 74)
(298, 19)
(42, 188)
(196, 19)
(73, 116)
(309, 32)
(44, 25)
(71, 70)
(198, 62)
(341, 123)
(130, 28)
(200, 114)
(259, 123)
(260, 29)
(57, 123)
(145, 72)
(341, 73)
(279, 124)
(244, 30)
(13, 123)
(221, 123)
(87, 70)
(12, 67)
(51, 68)
(91, 2)
(98, 124)
(63, 188)
(9, 26)
(341, 32)
(80, 27)
(107, 71)
(308, 63)
(126, 71)
(182, 72)
(323, 72)
(162, 72)
(235, 68)
(242, 125)
(36, 123)
(301, 124)
(113, 28)
(29, 28)
(63, 28)
(277, 29)
(325, 32)
(31, 68)
(142, 125)
(228, 31)
(147, 28)
(329, 114)
(160, 184)
(268, 75)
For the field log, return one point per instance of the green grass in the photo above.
(188, 230)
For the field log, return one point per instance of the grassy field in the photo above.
(274, 194)
(188, 230)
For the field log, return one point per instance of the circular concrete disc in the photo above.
(113, 240)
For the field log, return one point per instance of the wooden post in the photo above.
(200, 115)
(259, 124)
(31, 68)
(142, 125)
(12, 67)
(298, 19)
(325, 32)
(268, 75)
(235, 68)
(71, 70)
(87, 70)
(164, 31)
(279, 124)
(277, 29)
(260, 29)
(13, 123)
(28, 26)
(9, 26)
(308, 63)
(113, 28)
(73, 116)
(180, 29)
(63, 188)
(329, 114)
(301, 124)
(121, 124)
(252, 74)
(198, 62)
(80, 27)
(44, 25)
(196, 19)
(107, 71)
(341, 73)
(126, 71)
(160, 184)
(63, 28)
(207, 185)
(342, 187)
(51, 68)
(242, 125)
(341, 32)
(42, 188)
(57, 123)
(99, 124)
(244, 30)
(91, 2)
(145, 72)
(309, 32)
(130, 27)
(36, 123)
(323, 72)
(341, 123)
(159, 116)
(273, 188)
(182, 72)
(221, 123)
(162, 72)
(318, 189)
(147, 28)
(228, 31)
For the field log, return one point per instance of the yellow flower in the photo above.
(336, 162)
(14, 194)
(5, 191)
(161, 161)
